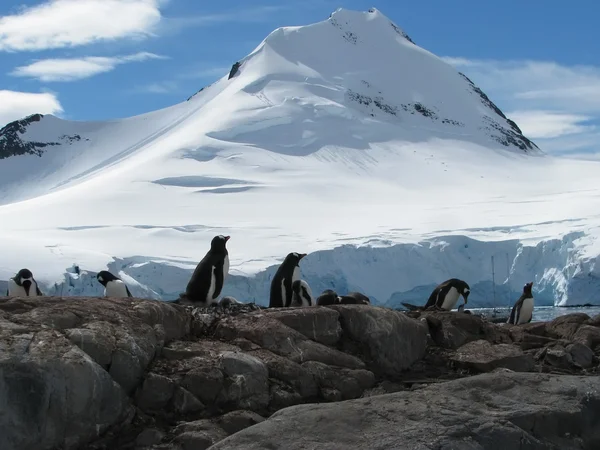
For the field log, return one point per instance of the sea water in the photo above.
(540, 313)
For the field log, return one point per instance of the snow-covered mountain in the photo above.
(342, 139)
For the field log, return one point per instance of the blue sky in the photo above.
(539, 60)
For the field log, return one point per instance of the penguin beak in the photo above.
(227, 238)
(301, 255)
(27, 286)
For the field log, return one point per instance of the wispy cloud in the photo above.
(255, 14)
(16, 105)
(161, 87)
(547, 124)
(72, 69)
(69, 23)
(557, 105)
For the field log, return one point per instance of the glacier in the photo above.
(342, 139)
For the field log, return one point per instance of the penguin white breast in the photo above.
(225, 267)
(14, 290)
(211, 287)
(526, 311)
(115, 289)
(283, 292)
(450, 299)
(307, 298)
(296, 274)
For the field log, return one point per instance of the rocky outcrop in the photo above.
(502, 410)
(134, 374)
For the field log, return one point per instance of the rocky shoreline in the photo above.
(97, 373)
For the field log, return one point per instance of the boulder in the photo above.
(452, 330)
(390, 341)
(565, 327)
(501, 410)
(67, 365)
(318, 324)
(481, 356)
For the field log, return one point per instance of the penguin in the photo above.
(281, 285)
(208, 278)
(446, 294)
(228, 301)
(354, 298)
(23, 285)
(114, 287)
(301, 294)
(328, 297)
(522, 311)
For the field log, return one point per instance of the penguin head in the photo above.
(465, 290)
(104, 276)
(294, 258)
(24, 278)
(218, 243)
(527, 290)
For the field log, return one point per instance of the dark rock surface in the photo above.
(502, 410)
(79, 373)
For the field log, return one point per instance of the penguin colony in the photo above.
(287, 288)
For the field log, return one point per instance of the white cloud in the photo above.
(16, 105)
(72, 69)
(547, 124)
(161, 87)
(70, 23)
(558, 106)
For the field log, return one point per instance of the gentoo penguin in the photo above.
(281, 285)
(23, 285)
(354, 298)
(301, 294)
(328, 297)
(228, 301)
(114, 287)
(207, 280)
(522, 312)
(446, 294)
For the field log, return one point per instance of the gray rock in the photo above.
(558, 357)
(184, 402)
(484, 412)
(149, 437)
(451, 330)
(197, 435)
(156, 391)
(581, 355)
(52, 394)
(290, 373)
(349, 383)
(204, 382)
(235, 421)
(318, 324)
(247, 382)
(484, 357)
(392, 341)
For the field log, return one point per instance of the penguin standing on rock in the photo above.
(354, 298)
(207, 281)
(522, 311)
(446, 294)
(281, 285)
(301, 294)
(23, 285)
(328, 297)
(114, 287)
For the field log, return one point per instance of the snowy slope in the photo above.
(329, 136)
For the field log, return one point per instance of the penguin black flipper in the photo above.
(433, 298)
(514, 312)
(218, 271)
(288, 292)
(7, 292)
(37, 290)
(128, 293)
